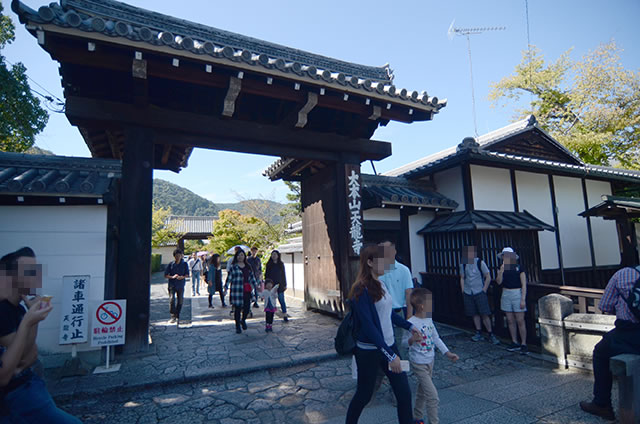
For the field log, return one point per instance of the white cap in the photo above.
(507, 250)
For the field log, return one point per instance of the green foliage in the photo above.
(21, 116)
(180, 200)
(162, 232)
(591, 106)
(35, 150)
(191, 246)
(294, 209)
(156, 262)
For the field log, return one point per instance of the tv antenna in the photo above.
(466, 32)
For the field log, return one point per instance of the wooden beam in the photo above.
(312, 101)
(166, 149)
(211, 132)
(229, 106)
(110, 57)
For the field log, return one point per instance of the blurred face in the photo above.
(378, 265)
(254, 252)
(241, 257)
(469, 254)
(178, 257)
(389, 253)
(509, 260)
(274, 256)
(268, 285)
(29, 276)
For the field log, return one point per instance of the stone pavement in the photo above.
(205, 373)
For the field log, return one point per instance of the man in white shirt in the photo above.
(399, 283)
(195, 266)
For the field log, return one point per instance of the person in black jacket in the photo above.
(214, 279)
(375, 344)
(275, 272)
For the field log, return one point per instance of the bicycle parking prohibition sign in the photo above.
(109, 313)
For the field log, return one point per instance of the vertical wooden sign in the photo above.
(354, 206)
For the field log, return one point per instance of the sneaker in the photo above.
(493, 339)
(601, 411)
(255, 305)
(285, 318)
(514, 347)
(477, 337)
(172, 320)
(524, 350)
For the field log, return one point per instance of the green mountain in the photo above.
(185, 202)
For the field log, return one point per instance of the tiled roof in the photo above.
(293, 228)
(380, 191)
(293, 245)
(485, 220)
(483, 141)
(120, 20)
(192, 224)
(615, 207)
(60, 176)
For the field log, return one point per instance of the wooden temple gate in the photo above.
(147, 88)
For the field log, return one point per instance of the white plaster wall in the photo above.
(381, 214)
(449, 184)
(416, 241)
(166, 253)
(67, 240)
(298, 269)
(534, 196)
(605, 234)
(573, 228)
(491, 189)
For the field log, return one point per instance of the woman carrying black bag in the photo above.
(214, 280)
(375, 347)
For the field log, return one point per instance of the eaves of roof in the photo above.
(487, 221)
(121, 22)
(525, 161)
(59, 176)
(382, 191)
(191, 224)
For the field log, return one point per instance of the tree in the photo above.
(162, 232)
(21, 116)
(293, 209)
(591, 106)
(232, 228)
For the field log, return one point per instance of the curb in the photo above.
(197, 375)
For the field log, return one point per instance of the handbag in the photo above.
(345, 340)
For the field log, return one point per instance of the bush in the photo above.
(156, 262)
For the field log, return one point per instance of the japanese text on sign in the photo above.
(109, 323)
(73, 318)
(355, 229)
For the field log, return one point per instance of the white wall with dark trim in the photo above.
(416, 241)
(573, 228)
(605, 233)
(449, 184)
(67, 240)
(381, 214)
(491, 188)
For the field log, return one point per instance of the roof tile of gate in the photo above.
(60, 176)
(120, 20)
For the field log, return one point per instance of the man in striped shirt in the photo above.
(624, 338)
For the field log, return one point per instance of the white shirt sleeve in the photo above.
(438, 342)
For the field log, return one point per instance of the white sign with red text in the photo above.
(109, 323)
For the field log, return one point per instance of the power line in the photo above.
(526, 11)
(39, 85)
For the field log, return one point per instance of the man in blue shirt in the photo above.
(399, 284)
(176, 272)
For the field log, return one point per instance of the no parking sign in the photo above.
(109, 323)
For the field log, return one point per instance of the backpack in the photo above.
(345, 340)
(477, 263)
(633, 300)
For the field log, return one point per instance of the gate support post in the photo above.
(134, 247)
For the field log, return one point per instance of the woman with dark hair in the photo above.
(241, 283)
(375, 344)
(214, 279)
(275, 272)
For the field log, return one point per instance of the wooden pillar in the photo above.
(134, 247)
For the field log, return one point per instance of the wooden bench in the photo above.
(626, 370)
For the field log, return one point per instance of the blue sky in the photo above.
(409, 35)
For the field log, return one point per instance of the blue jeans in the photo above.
(283, 305)
(369, 362)
(31, 403)
(195, 282)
